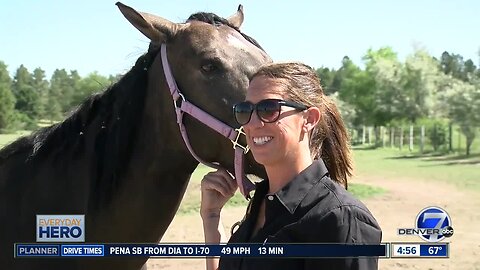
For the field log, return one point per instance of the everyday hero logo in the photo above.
(60, 228)
(433, 224)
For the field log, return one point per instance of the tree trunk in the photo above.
(469, 144)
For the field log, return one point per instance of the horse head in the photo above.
(212, 62)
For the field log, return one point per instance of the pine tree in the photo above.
(40, 85)
(27, 99)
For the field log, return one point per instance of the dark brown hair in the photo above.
(329, 140)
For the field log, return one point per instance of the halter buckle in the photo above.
(235, 142)
(181, 97)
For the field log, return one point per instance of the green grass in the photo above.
(458, 170)
(8, 138)
(363, 191)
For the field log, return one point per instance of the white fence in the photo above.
(415, 138)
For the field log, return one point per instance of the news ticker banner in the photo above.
(384, 250)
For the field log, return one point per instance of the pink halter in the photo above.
(244, 184)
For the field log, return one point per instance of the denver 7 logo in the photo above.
(434, 218)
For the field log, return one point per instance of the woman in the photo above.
(297, 133)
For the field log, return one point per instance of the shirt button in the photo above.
(270, 197)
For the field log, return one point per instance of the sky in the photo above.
(92, 35)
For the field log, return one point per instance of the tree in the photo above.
(89, 85)
(387, 98)
(462, 100)
(452, 64)
(326, 78)
(73, 88)
(358, 90)
(7, 100)
(420, 82)
(27, 99)
(58, 81)
(40, 85)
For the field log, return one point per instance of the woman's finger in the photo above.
(229, 180)
(217, 182)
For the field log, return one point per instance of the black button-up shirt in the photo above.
(310, 209)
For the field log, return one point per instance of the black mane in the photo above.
(214, 19)
(111, 117)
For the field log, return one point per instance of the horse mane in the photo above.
(214, 19)
(111, 117)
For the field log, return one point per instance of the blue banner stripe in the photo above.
(200, 250)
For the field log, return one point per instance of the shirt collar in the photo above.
(292, 194)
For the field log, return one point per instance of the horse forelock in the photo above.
(214, 19)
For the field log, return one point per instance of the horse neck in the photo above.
(158, 172)
(160, 134)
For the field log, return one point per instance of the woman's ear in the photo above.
(312, 117)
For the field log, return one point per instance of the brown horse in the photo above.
(119, 159)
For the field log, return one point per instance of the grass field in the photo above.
(8, 138)
(458, 170)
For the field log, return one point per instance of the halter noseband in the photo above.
(232, 134)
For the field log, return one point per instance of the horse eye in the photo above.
(209, 68)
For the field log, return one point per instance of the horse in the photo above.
(119, 158)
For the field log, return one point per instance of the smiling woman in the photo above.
(297, 133)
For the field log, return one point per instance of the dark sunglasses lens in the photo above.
(242, 112)
(268, 110)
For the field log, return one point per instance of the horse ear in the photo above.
(236, 19)
(157, 29)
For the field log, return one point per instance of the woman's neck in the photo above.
(279, 175)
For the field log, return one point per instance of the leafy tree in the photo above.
(419, 86)
(27, 99)
(7, 100)
(387, 96)
(73, 87)
(40, 85)
(452, 64)
(326, 78)
(89, 85)
(344, 72)
(58, 82)
(358, 90)
(462, 100)
(113, 79)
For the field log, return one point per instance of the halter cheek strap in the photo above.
(244, 184)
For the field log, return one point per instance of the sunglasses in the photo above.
(268, 110)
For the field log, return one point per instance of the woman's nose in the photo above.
(255, 121)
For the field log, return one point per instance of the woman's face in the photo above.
(278, 142)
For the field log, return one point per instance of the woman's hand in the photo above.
(217, 188)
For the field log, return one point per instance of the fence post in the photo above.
(459, 141)
(369, 135)
(401, 138)
(382, 133)
(410, 146)
(363, 135)
(422, 138)
(392, 137)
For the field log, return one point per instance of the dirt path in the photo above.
(396, 208)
